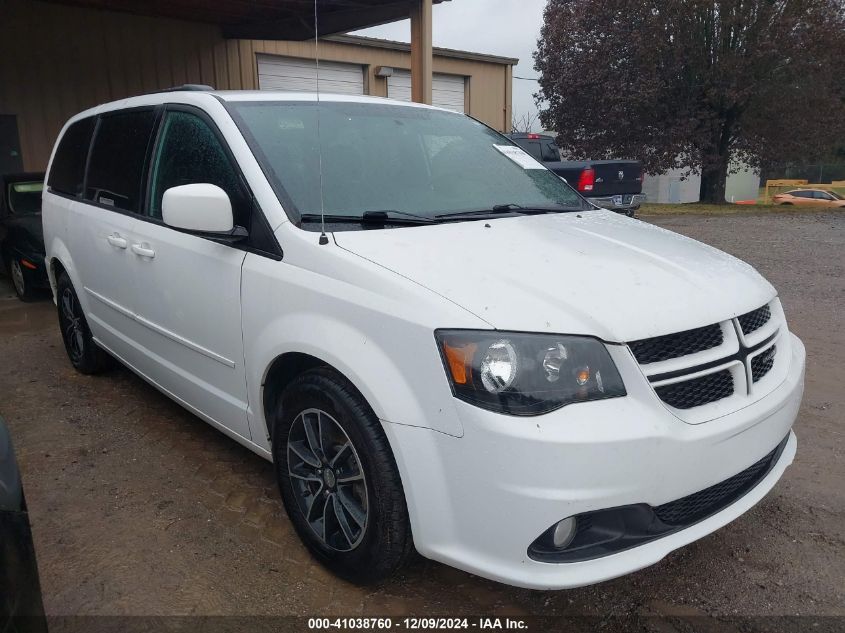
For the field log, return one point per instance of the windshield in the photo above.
(25, 197)
(381, 157)
(835, 195)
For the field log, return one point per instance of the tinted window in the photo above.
(821, 195)
(802, 194)
(117, 159)
(68, 166)
(550, 152)
(533, 148)
(189, 152)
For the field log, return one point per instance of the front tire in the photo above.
(338, 479)
(84, 354)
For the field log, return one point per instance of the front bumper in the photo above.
(626, 203)
(478, 502)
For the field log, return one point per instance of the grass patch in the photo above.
(696, 208)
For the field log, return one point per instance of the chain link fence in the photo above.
(818, 173)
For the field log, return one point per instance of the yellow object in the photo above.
(459, 359)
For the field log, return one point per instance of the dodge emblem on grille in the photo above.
(621, 175)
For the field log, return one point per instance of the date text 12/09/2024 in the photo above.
(413, 624)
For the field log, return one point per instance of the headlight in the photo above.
(526, 374)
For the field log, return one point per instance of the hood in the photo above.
(595, 273)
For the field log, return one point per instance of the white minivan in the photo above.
(440, 345)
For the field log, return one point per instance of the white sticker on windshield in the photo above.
(520, 156)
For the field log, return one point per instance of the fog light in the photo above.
(563, 533)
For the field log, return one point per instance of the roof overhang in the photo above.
(267, 19)
(372, 42)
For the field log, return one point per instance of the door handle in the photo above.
(117, 241)
(143, 250)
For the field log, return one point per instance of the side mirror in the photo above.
(200, 208)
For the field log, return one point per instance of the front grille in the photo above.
(762, 363)
(653, 350)
(698, 391)
(704, 503)
(755, 319)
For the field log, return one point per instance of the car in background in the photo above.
(21, 606)
(610, 184)
(810, 196)
(21, 235)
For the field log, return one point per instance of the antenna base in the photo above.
(324, 240)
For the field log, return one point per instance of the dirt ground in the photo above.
(140, 508)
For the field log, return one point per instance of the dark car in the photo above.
(21, 606)
(611, 184)
(21, 235)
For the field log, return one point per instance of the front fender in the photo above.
(404, 384)
(370, 324)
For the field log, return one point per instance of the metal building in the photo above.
(58, 57)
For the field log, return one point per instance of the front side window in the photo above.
(190, 152)
(822, 195)
(116, 169)
(68, 168)
(392, 158)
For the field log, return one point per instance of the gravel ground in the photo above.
(140, 508)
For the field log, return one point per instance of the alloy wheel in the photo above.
(72, 326)
(327, 479)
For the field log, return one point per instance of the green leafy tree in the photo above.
(694, 84)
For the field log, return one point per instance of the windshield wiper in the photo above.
(510, 208)
(373, 217)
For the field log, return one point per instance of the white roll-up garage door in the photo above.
(447, 91)
(299, 75)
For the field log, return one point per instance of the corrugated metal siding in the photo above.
(56, 60)
(296, 74)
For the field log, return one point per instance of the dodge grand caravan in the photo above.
(438, 343)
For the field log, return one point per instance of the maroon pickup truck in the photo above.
(611, 184)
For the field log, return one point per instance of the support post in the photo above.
(421, 54)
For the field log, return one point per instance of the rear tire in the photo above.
(338, 479)
(22, 288)
(84, 354)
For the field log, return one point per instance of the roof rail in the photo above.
(188, 87)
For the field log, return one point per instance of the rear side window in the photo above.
(68, 167)
(115, 172)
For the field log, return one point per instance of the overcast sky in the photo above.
(498, 27)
